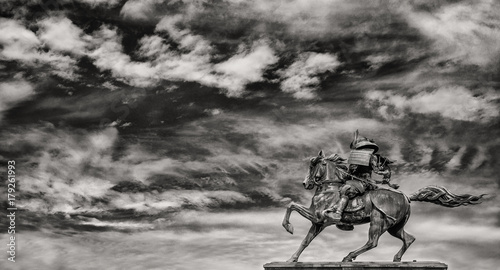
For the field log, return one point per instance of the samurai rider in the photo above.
(362, 162)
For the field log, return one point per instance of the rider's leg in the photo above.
(346, 192)
(337, 215)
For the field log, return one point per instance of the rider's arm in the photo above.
(380, 170)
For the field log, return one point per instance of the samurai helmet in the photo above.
(360, 142)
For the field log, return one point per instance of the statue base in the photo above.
(355, 266)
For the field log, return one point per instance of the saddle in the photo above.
(358, 203)
(355, 204)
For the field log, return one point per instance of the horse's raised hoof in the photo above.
(288, 227)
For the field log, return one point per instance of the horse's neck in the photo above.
(324, 196)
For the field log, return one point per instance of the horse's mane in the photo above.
(342, 166)
(339, 163)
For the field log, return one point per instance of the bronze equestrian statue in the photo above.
(385, 208)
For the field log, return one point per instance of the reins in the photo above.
(366, 180)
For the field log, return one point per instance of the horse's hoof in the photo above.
(288, 228)
(346, 259)
(292, 260)
(397, 260)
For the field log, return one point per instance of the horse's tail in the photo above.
(441, 196)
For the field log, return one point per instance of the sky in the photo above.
(162, 134)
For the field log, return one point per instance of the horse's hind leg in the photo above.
(378, 226)
(302, 210)
(313, 232)
(399, 232)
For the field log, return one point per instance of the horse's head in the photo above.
(316, 171)
(321, 169)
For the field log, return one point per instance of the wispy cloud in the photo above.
(455, 102)
(245, 67)
(462, 32)
(109, 55)
(149, 10)
(100, 3)
(302, 77)
(14, 92)
(195, 64)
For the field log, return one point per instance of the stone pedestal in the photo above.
(355, 266)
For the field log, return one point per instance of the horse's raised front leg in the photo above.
(302, 210)
(378, 226)
(313, 232)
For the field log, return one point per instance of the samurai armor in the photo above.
(360, 157)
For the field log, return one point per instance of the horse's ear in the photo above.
(321, 154)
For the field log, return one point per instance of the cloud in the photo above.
(232, 23)
(75, 171)
(193, 63)
(109, 55)
(232, 74)
(244, 68)
(177, 200)
(467, 33)
(306, 20)
(279, 137)
(17, 41)
(60, 34)
(299, 17)
(13, 92)
(68, 169)
(99, 3)
(454, 102)
(152, 47)
(21, 44)
(303, 76)
(148, 10)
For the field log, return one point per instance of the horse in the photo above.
(386, 209)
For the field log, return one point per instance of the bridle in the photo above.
(315, 169)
